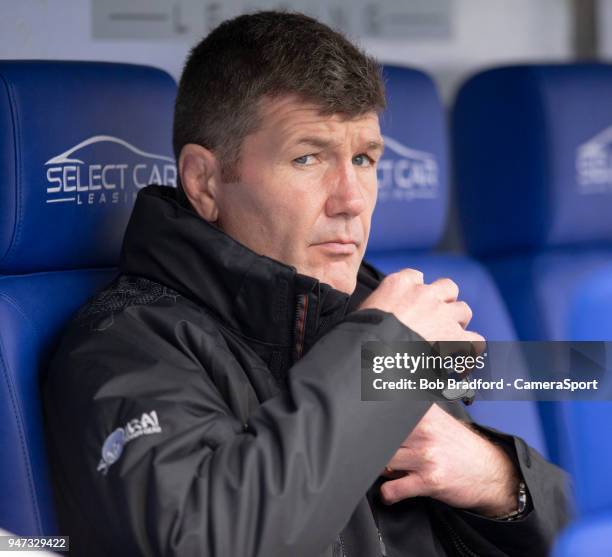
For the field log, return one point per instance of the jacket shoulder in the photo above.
(134, 340)
(123, 292)
(133, 323)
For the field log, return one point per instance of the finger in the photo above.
(413, 276)
(411, 485)
(462, 312)
(446, 289)
(392, 474)
(405, 459)
(478, 342)
(459, 346)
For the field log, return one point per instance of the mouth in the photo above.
(338, 246)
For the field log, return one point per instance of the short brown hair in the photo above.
(267, 54)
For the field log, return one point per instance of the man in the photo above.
(208, 401)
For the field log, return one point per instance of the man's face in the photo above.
(306, 190)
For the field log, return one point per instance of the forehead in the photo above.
(288, 117)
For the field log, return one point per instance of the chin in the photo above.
(341, 275)
(342, 283)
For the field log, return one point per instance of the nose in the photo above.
(346, 197)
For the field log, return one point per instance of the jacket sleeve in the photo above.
(187, 478)
(533, 534)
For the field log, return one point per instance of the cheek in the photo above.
(285, 211)
(370, 194)
(258, 197)
(371, 188)
(303, 198)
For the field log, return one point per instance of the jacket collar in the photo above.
(257, 297)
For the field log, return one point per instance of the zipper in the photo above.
(462, 549)
(342, 549)
(300, 324)
(383, 549)
(381, 543)
(340, 545)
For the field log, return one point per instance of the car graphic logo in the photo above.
(406, 174)
(594, 164)
(113, 172)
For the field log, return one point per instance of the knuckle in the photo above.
(466, 308)
(427, 292)
(435, 479)
(449, 283)
(429, 455)
(394, 279)
(414, 275)
(425, 430)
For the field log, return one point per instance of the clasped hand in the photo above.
(445, 459)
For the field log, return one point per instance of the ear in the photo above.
(200, 177)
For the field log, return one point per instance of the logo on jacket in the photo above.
(112, 448)
(105, 169)
(594, 164)
(405, 174)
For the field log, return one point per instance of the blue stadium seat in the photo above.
(410, 217)
(533, 169)
(587, 446)
(77, 141)
(591, 537)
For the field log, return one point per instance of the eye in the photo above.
(304, 160)
(363, 160)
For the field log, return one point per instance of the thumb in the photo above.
(410, 485)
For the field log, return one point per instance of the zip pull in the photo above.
(383, 549)
(300, 325)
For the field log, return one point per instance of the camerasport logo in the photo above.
(112, 449)
(406, 174)
(594, 164)
(105, 169)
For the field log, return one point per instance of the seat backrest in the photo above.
(586, 538)
(409, 221)
(77, 142)
(413, 172)
(533, 168)
(531, 151)
(587, 450)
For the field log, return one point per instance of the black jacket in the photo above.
(207, 402)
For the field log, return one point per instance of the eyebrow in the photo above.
(376, 146)
(320, 143)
